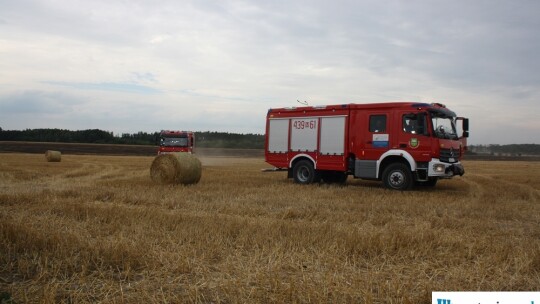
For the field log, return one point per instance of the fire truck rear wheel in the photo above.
(305, 173)
(397, 176)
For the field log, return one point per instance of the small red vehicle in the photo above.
(400, 143)
(176, 141)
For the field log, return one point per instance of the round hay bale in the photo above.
(176, 168)
(53, 156)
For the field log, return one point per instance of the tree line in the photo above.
(206, 139)
(513, 149)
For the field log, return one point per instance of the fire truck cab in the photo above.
(400, 143)
(175, 141)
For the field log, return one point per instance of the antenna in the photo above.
(302, 102)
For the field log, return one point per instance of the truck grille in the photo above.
(450, 155)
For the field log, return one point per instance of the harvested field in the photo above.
(97, 229)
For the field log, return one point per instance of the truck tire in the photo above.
(305, 173)
(397, 177)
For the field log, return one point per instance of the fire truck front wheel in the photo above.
(397, 176)
(305, 173)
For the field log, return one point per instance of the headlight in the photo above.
(439, 168)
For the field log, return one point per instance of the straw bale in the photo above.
(53, 156)
(176, 168)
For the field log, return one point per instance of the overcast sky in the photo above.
(140, 65)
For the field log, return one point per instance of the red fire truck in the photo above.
(400, 143)
(175, 141)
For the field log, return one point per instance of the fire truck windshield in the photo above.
(444, 127)
(174, 141)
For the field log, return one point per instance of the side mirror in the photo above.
(464, 126)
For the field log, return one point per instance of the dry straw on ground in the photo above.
(176, 168)
(97, 229)
(53, 156)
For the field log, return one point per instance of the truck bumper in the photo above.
(444, 170)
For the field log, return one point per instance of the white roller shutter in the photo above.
(304, 134)
(332, 135)
(279, 135)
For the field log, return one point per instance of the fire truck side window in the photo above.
(377, 123)
(410, 124)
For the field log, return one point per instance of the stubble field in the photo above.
(96, 229)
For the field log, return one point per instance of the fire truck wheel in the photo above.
(397, 176)
(304, 173)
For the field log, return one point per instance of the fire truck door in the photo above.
(376, 140)
(413, 135)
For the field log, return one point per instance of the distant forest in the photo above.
(508, 150)
(202, 139)
(207, 140)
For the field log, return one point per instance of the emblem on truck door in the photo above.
(414, 142)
